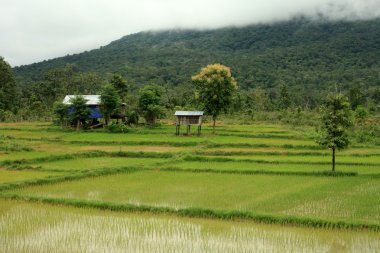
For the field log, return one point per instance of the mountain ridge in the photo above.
(300, 53)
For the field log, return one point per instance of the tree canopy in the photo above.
(336, 118)
(8, 90)
(215, 86)
(109, 102)
(149, 103)
(121, 86)
(80, 110)
(61, 112)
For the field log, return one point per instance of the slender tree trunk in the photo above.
(213, 125)
(333, 159)
(78, 123)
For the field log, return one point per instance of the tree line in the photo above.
(35, 100)
(215, 92)
(214, 86)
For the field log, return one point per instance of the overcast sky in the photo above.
(36, 30)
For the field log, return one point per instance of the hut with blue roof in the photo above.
(93, 103)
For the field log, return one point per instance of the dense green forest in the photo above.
(277, 66)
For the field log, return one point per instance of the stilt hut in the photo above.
(188, 118)
(92, 101)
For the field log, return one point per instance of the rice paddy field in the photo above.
(249, 188)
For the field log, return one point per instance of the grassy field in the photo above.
(249, 188)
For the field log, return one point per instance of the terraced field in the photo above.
(250, 188)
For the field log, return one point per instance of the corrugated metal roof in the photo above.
(188, 113)
(91, 99)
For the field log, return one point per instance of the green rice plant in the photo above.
(90, 164)
(139, 143)
(262, 145)
(13, 147)
(7, 176)
(65, 177)
(202, 213)
(6, 159)
(348, 160)
(280, 153)
(237, 166)
(261, 153)
(350, 199)
(88, 154)
(264, 136)
(273, 161)
(133, 138)
(53, 158)
(264, 172)
(8, 144)
(64, 229)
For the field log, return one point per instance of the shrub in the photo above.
(117, 128)
(133, 118)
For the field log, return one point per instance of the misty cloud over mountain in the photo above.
(36, 30)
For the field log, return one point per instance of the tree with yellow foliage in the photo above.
(215, 86)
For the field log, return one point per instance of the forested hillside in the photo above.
(298, 53)
(277, 66)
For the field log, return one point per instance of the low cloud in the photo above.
(36, 30)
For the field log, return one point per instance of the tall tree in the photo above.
(121, 86)
(356, 95)
(80, 110)
(336, 118)
(8, 91)
(284, 99)
(61, 112)
(149, 103)
(109, 102)
(215, 86)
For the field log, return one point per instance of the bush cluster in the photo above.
(117, 128)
